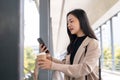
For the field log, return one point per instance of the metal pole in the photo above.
(44, 10)
(11, 40)
(101, 45)
(112, 45)
(101, 60)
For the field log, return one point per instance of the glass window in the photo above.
(97, 33)
(31, 33)
(116, 37)
(106, 40)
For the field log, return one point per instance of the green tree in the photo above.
(29, 59)
(107, 58)
(117, 58)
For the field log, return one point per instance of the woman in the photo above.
(83, 51)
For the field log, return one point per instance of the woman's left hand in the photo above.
(44, 63)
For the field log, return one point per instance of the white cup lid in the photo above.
(42, 53)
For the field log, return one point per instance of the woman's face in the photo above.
(73, 24)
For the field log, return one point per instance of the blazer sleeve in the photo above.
(84, 68)
(58, 61)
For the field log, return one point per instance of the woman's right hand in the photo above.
(43, 48)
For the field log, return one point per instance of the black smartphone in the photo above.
(42, 42)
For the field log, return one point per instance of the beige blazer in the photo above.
(83, 64)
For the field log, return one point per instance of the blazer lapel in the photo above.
(81, 49)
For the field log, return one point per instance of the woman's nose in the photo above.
(69, 25)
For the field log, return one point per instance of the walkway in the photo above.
(107, 75)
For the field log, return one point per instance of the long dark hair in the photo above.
(84, 24)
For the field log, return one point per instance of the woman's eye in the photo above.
(71, 21)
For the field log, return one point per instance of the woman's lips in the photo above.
(71, 29)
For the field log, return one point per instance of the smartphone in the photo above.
(42, 42)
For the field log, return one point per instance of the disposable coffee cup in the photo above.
(42, 55)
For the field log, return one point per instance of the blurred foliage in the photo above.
(29, 60)
(117, 58)
(108, 58)
(107, 53)
(117, 53)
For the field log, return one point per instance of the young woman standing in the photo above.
(83, 51)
